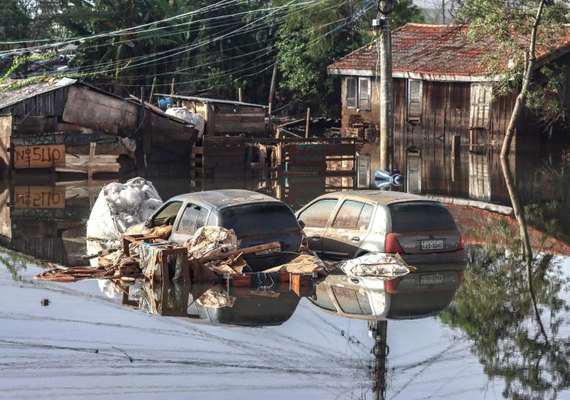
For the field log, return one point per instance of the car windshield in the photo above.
(258, 219)
(420, 216)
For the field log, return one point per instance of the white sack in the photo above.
(120, 206)
(377, 265)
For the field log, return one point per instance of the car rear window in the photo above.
(258, 219)
(418, 216)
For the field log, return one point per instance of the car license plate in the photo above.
(431, 279)
(432, 244)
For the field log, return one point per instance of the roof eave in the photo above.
(416, 75)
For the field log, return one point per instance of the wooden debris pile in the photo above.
(212, 253)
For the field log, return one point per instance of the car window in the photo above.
(192, 218)
(317, 214)
(353, 215)
(420, 216)
(258, 219)
(168, 214)
(365, 216)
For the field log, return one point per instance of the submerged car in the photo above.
(349, 224)
(256, 219)
(374, 299)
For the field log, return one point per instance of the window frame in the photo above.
(355, 97)
(333, 201)
(338, 223)
(202, 212)
(416, 97)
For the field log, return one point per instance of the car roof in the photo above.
(226, 197)
(377, 196)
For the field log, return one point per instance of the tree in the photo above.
(495, 309)
(14, 22)
(517, 28)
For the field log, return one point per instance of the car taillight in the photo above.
(392, 244)
(392, 285)
(460, 245)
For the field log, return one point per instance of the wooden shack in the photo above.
(226, 117)
(67, 126)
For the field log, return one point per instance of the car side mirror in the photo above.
(149, 223)
(301, 224)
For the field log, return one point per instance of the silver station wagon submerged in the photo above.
(349, 224)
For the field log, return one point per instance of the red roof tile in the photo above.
(431, 50)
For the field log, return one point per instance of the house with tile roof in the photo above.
(447, 115)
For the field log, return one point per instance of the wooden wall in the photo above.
(222, 118)
(445, 115)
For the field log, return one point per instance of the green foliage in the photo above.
(298, 64)
(494, 309)
(14, 22)
(506, 26)
(545, 94)
(208, 47)
(310, 41)
(406, 11)
(544, 217)
(14, 262)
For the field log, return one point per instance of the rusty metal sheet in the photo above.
(96, 110)
(26, 157)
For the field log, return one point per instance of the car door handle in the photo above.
(315, 238)
(355, 239)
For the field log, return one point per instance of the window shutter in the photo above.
(350, 92)
(414, 99)
(364, 93)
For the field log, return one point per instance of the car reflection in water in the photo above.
(266, 302)
(377, 300)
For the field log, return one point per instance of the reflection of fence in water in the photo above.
(220, 156)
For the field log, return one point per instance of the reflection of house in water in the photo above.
(47, 222)
(449, 121)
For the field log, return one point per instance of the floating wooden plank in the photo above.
(26, 157)
(80, 164)
(218, 255)
(39, 197)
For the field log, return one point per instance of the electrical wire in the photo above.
(166, 56)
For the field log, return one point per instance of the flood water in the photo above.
(90, 339)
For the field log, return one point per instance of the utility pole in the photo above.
(384, 34)
(379, 331)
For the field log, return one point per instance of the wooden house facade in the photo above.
(449, 122)
(67, 126)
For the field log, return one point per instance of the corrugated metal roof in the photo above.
(11, 97)
(431, 50)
